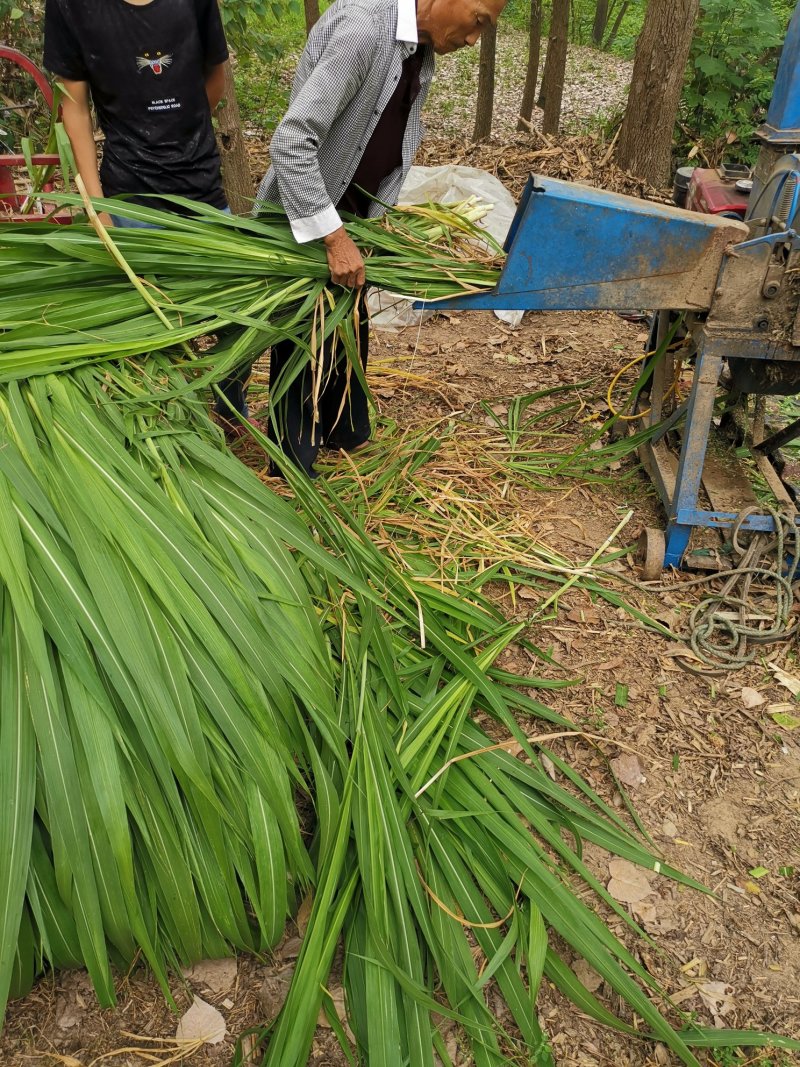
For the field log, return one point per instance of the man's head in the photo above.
(451, 24)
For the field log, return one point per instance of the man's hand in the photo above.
(106, 220)
(344, 259)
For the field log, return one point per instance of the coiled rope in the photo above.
(753, 606)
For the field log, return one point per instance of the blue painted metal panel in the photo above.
(769, 195)
(572, 247)
(719, 520)
(677, 541)
(700, 409)
(783, 119)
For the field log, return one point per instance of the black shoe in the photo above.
(346, 443)
(235, 430)
(274, 471)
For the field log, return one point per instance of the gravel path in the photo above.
(596, 88)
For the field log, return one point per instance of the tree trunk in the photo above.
(485, 104)
(575, 25)
(532, 73)
(600, 23)
(236, 175)
(555, 65)
(311, 8)
(645, 140)
(623, 8)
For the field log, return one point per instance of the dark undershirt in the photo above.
(384, 151)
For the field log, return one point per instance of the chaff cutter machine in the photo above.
(575, 248)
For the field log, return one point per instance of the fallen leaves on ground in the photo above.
(751, 698)
(202, 1022)
(216, 975)
(629, 884)
(628, 769)
(788, 681)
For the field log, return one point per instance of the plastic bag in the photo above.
(443, 185)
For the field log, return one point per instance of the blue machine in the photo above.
(576, 248)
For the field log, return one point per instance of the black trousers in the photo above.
(234, 392)
(342, 412)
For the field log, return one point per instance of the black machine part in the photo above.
(771, 377)
(680, 188)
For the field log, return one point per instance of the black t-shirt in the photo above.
(146, 66)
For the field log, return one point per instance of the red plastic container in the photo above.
(713, 194)
(11, 200)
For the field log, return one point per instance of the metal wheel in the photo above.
(650, 552)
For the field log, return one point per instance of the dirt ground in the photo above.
(715, 782)
(719, 788)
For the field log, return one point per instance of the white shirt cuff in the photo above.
(316, 226)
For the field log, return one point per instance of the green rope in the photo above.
(726, 629)
(754, 604)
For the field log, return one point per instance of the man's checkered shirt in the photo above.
(344, 80)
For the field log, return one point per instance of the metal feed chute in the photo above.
(735, 277)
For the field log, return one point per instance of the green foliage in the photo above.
(517, 15)
(731, 74)
(624, 42)
(264, 78)
(268, 37)
(630, 14)
(734, 1057)
(248, 24)
(623, 24)
(262, 89)
(20, 26)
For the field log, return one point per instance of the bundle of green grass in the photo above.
(185, 654)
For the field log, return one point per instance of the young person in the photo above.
(154, 71)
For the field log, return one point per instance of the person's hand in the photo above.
(344, 259)
(106, 220)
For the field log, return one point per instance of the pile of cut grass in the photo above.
(184, 651)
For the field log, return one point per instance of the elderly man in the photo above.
(347, 141)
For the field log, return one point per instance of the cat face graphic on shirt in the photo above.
(157, 63)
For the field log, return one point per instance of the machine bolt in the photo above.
(771, 290)
(761, 323)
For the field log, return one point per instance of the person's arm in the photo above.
(77, 118)
(335, 79)
(215, 49)
(64, 58)
(215, 85)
